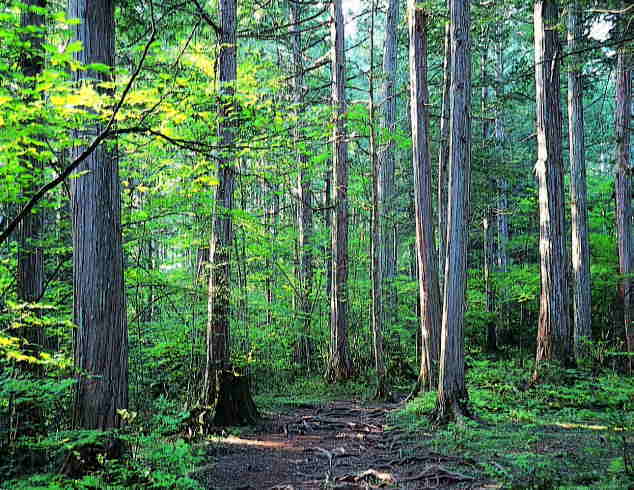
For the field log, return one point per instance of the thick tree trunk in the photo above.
(623, 188)
(579, 211)
(340, 366)
(452, 393)
(443, 158)
(101, 338)
(304, 208)
(387, 156)
(553, 340)
(30, 270)
(228, 394)
(429, 295)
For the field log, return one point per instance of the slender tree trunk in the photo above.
(387, 155)
(502, 183)
(30, 270)
(580, 246)
(340, 366)
(623, 187)
(452, 393)
(304, 211)
(443, 158)
(487, 225)
(377, 239)
(101, 338)
(553, 341)
(429, 295)
(228, 393)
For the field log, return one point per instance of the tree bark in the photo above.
(491, 334)
(452, 393)
(623, 187)
(443, 158)
(340, 366)
(429, 295)
(387, 154)
(553, 341)
(579, 211)
(101, 338)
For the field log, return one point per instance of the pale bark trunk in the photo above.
(443, 158)
(623, 188)
(304, 208)
(101, 338)
(30, 270)
(553, 340)
(429, 295)
(579, 211)
(502, 183)
(340, 366)
(452, 393)
(218, 310)
(387, 154)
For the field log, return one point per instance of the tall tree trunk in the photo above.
(228, 393)
(502, 184)
(429, 295)
(452, 393)
(553, 341)
(623, 186)
(377, 240)
(491, 335)
(579, 211)
(443, 158)
(101, 338)
(340, 366)
(387, 154)
(304, 211)
(30, 270)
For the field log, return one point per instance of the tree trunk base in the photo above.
(451, 411)
(234, 404)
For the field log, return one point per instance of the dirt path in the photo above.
(342, 445)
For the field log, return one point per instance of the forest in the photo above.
(311, 244)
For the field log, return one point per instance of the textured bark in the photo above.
(502, 183)
(579, 207)
(387, 154)
(340, 366)
(623, 188)
(553, 340)
(218, 310)
(452, 393)
(443, 158)
(429, 295)
(101, 338)
(30, 266)
(304, 208)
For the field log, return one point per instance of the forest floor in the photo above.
(343, 444)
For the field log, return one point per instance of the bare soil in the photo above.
(342, 445)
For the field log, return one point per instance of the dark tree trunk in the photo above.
(452, 393)
(429, 295)
(579, 208)
(623, 187)
(340, 366)
(222, 390)
(553, 340)
(101, 339)
(487, 225)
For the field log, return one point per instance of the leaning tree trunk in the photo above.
(387, 159)
(429, 294)
(101, 338)
(553, 342)
(304, 208)
(623, 188)
(227, 393)
(340, 366)
(579, 210)
(452, 393)
(30, 270)
(443, 158)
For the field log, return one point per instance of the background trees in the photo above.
(248, 203)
